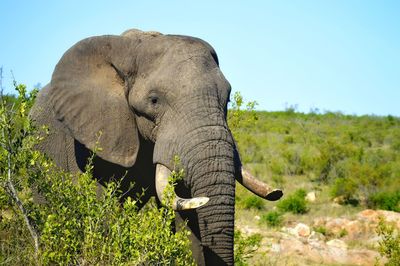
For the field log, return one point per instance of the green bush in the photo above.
(80, 226)
(245, 247)
(343, 232)
(389, 246)
(277, 165)
(278, 179)
(301, 193)
(294, 203)
(386, 201)
(293, 158)
(253, 202)
(345, 188)
(288, 139)
(272, 218)
(331, 153)
(321, 229)
(237, 117)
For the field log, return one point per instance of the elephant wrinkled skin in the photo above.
(152, 96)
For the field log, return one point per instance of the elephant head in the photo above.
(167, 90)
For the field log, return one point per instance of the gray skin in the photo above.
(152, 96)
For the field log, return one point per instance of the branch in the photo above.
(13, 194)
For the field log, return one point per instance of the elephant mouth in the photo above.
(250, 182)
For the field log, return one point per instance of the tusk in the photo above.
(258, 187)
(178, 204)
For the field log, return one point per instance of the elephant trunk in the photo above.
(207, 153)
(211, 168)
(216, 224)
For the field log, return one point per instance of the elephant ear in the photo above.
(88, 95)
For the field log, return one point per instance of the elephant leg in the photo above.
(193, 227)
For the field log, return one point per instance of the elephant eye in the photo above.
(154, 99)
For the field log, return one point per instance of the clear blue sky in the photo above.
(332, 55)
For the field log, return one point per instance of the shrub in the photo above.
(343, 232)
(321, 229)
(278, 179)
(277, 165)
(301, 193)
(345, 188)
(237, 117)
(288, 139)
(396, 145)
(293, 158)
(386, 201)
(389, 246)
(294, 203)
(272, 218)
(253, 202)
(99, 231)
(245, 247)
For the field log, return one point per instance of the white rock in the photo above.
(292, 232)
(302, 230)
(315, 236)
(337, 243)
(275, 248)
(311, 197)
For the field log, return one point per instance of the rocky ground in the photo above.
(325, 241)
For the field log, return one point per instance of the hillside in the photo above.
(342, 164)
(339, 175)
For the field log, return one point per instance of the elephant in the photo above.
(152, 96)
